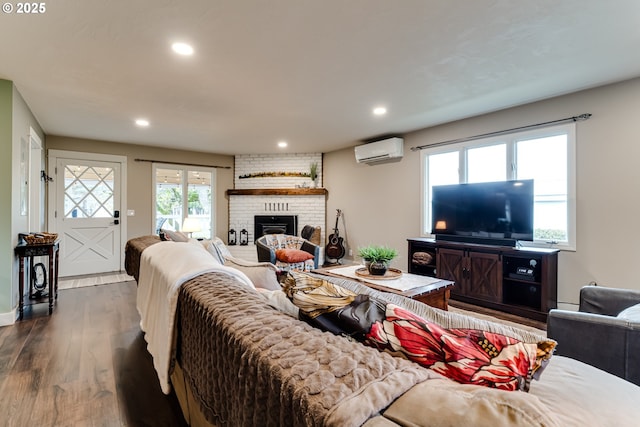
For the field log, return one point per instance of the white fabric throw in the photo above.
(164, 267)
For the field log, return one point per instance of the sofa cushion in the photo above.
(262, 274)
(292, 255)
(443, 403)
(632, 314)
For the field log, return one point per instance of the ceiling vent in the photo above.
(380, 151)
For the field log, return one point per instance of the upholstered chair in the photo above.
(288, 252)
(605, 332)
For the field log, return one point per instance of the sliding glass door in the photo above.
(183, 192)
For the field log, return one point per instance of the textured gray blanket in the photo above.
(250, 365)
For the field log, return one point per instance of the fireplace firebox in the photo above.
(275, 224)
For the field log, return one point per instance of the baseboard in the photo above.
(7, 319)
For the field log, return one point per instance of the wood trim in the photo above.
(277, 192)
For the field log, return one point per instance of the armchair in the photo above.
(288, 252)
(599, 334)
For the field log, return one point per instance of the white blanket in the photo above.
(164, 267)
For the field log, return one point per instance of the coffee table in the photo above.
(435, 292)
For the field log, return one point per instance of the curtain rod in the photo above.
(581, 117)
(182, 164)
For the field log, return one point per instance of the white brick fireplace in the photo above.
(267, 184)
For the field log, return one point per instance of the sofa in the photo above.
(236, 354)
(604, 332)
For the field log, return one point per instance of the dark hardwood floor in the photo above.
(85, 365)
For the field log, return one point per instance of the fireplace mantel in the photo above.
(277, 192)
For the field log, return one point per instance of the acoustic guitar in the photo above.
(335, 247)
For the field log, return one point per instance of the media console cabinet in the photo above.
(520, 281)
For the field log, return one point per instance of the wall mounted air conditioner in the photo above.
(380, 151)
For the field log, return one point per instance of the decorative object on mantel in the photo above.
(277, 192)
(313, 174)
(231, 241)
(377, 258)
(275, 175)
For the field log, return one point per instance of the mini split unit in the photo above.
(380, 151)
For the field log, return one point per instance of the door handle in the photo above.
(115, 222)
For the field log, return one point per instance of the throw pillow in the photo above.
(292, 256)
(213, 250)
(278, 300)
(175, 236)
(632, 314)
(262, 274)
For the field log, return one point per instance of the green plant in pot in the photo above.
(377, 258)
(313, 173)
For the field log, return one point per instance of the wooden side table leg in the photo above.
(57, 251)
(51, 272)
(21, 290)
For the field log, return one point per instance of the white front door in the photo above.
(88, 215)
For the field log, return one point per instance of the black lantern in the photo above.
(232, 237)
(244, 237)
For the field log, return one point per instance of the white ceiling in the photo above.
(305, 71)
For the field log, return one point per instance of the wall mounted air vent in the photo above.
(380, 151)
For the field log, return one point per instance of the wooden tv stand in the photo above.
(520, 281)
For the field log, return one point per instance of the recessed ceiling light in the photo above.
(282, 144)
(379, 111)
(142, 122)
(182, 49)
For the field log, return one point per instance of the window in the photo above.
(184, 191)
(545, 155)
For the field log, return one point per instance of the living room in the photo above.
(605, 173)
(380, 203)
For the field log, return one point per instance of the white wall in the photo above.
(381, 203)
(242, 208)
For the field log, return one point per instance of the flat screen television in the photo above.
(488, 213)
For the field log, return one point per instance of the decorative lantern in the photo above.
(244, 237)
(232, 237)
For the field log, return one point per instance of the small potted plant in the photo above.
(313, 174)
(377, 258)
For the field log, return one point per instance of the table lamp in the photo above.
(191, 225)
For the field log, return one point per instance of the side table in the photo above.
(26, 253)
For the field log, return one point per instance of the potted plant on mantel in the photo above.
(313, 174)
(377, 258)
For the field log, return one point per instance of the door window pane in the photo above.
(183, 192)
(199, 190)
(169, 198)
(88, 191)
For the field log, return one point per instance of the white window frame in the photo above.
(185, 194)
(511, 140)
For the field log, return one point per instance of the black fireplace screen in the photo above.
(275, 224)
